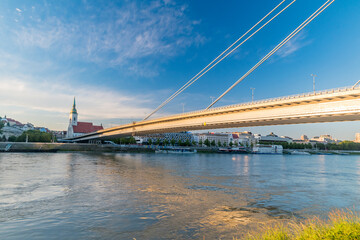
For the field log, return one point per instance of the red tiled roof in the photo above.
(13, 120)
(86, 127)
(235, 136)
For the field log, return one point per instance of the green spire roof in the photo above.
(74, 108)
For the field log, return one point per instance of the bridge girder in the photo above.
(328, 106)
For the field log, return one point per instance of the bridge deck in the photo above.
(342, 104)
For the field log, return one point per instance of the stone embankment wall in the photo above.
(20, 146)
(68, 147)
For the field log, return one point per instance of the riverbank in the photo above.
(86, 147)
(67, 147)
(83, 147)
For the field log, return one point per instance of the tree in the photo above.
(236, 144)
(158, 141)
(320, 146)
(200, 142)
(173, 142)
(1, 126)
(219, 143)
(207, 142)
(231, 144)
(166, 142)
(132, 140)
(34, 136)
(150, 141)
(11, 139)
(213, 143)
(187, 142)
(193, 143)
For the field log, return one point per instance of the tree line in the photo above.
(32, 136)
(344, 145)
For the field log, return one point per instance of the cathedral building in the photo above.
(77, 128)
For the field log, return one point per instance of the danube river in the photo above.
(166, 196)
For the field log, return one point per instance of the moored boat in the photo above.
(267, 149)
(232, 150)
(176, 150)
(299, 153)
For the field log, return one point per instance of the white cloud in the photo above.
(293, 45)
(35, 86)
(118, 36)
(49, 104)
(18, 10)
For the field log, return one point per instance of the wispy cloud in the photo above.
(298, 42)
(120, 36)
(53, 101)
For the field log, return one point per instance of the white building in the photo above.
(274, 138)
(77, 128)
(246, 138)
(326, 138)
(13, 127)
(223, 138)
(357, 137)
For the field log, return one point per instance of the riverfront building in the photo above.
(13, 127)
(166, 137)
(357, 137)
(324, 139)
(77, 128)
(246, 138)
(223, 138)
(274, 138)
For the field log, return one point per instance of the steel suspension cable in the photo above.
(186, 85)
(194, 80)
(296, 31)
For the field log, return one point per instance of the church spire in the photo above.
(74, 107)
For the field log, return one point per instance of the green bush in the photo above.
(12, 139)
(35, 136)
(343, 225)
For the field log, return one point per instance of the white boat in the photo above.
(176, 150)
(267, 149)
(299, 153)
(232, 150)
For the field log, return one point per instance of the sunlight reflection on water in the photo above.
(152, 196)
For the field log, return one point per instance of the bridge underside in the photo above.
(328, 107)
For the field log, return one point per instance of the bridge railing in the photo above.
(295, 96)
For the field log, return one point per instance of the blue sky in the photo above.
(121, 59)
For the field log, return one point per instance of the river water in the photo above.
(166, 196)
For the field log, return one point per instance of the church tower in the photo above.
(73, 115)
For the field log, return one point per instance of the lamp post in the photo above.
(314, 76)
(183, 105)
(252, 94)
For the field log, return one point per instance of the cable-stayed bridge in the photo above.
(325, 106)
(333, 105)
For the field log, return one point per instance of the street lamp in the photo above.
(183, 105)
(252, 94)
(314, 76)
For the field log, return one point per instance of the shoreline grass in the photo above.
(340, 224)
